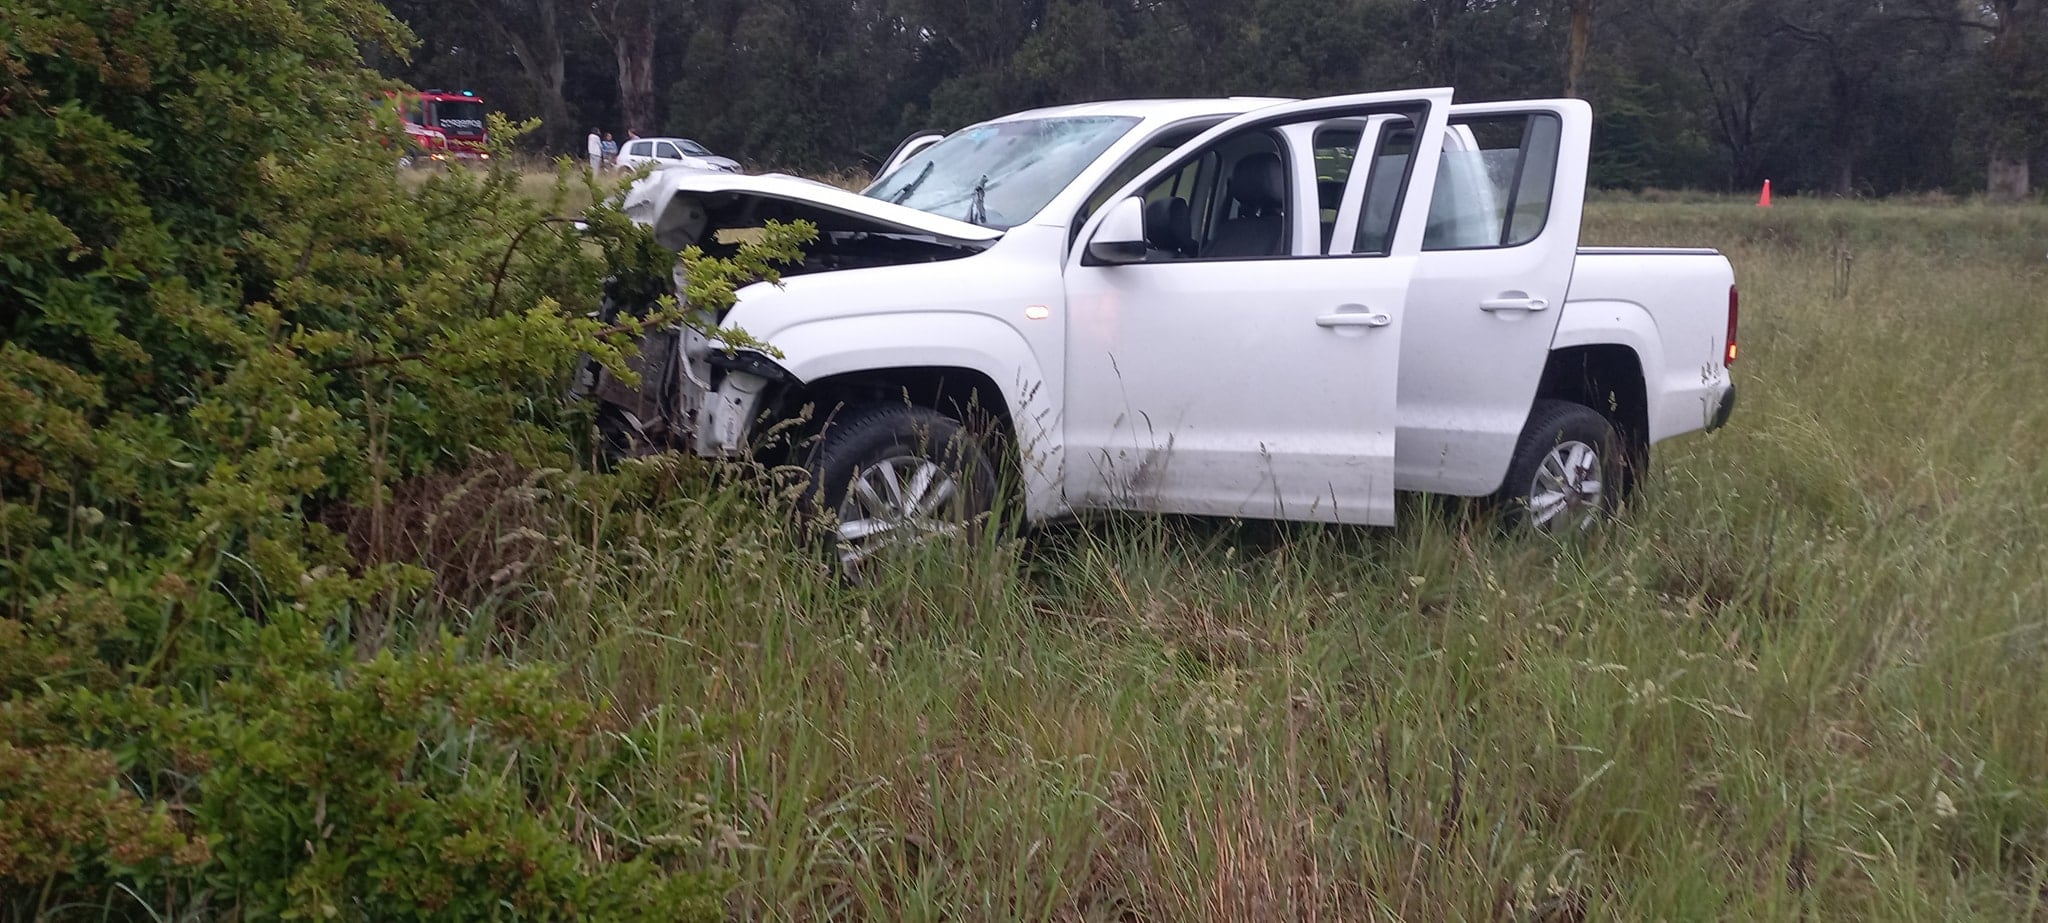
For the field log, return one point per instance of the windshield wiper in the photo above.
(977, 210)
(911, 187)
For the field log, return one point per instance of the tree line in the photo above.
(1841, 97)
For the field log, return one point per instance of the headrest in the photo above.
(1166, 223)
(1329, 194)
(1259, 182)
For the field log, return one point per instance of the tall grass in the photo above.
(1803, 678)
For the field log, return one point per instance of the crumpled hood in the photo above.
(684, 206)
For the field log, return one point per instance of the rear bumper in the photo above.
(1722, 412)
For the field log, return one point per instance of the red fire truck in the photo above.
(443, 126)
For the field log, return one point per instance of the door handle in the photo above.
(1513, 301)
(1353, 319)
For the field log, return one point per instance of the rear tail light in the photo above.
(1734, 310)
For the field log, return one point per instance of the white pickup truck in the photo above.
(1285, 309)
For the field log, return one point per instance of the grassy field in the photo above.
(1803, 679)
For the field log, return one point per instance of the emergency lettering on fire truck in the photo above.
(442, 126)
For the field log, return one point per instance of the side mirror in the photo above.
(1120, 238)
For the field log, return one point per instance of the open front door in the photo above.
(1221, 361)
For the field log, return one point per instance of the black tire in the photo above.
(892, 442)
(1564, 443)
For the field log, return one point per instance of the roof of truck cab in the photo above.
(1164, 109)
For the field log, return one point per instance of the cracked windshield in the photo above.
(1001, 174)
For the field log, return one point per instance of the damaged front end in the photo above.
(694, 394)
(661, 411)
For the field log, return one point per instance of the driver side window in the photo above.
(667, 151)
(1229, 202)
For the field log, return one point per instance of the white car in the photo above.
(1230, 307)
(666, 153)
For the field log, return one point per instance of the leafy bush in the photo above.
(311, 785)
(225, 317)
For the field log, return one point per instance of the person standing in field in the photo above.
(594, 145)
(611, 150)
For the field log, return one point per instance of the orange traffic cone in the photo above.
(1764, 201)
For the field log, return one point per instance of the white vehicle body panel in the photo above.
(1679, 339)
(1215, 387)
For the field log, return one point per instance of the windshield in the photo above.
(463, 118)
(1000, 174)
(693, 148)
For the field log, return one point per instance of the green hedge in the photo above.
(226, 317)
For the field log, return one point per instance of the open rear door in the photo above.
(1490, 283)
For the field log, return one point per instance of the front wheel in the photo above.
(1567, 473)
(899, 477)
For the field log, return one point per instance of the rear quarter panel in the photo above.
(1671, 307)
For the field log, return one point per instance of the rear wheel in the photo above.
(1567, 473)
(898, 477)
